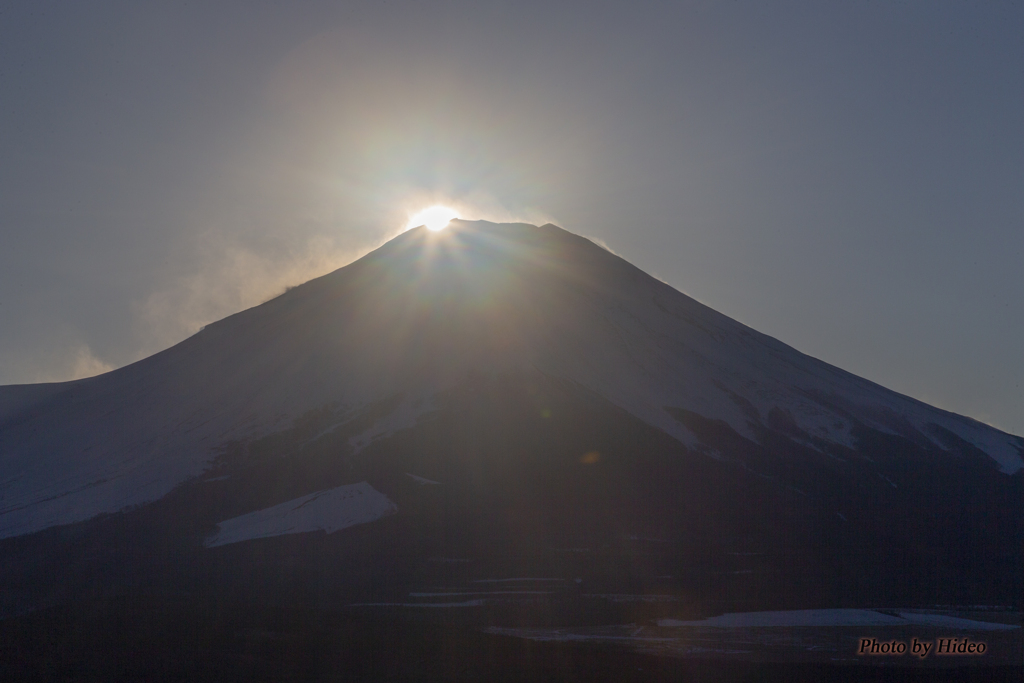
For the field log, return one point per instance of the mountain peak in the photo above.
(414, 319)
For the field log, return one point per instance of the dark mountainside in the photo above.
(503, 428)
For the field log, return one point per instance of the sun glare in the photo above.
(435, 218)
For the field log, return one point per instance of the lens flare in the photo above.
(435, 218)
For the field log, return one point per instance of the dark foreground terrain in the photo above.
(157, 640)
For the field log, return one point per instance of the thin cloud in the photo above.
(230, 279)
(71, 360)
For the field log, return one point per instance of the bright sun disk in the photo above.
(435, 218)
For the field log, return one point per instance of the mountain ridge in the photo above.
(411, 318)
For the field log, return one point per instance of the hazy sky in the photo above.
(845, 176)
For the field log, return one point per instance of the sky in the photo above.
(847, 177)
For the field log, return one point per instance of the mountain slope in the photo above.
(415, 318)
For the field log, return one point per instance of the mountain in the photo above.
(512, 420)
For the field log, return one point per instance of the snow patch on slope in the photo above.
(329, 511)
(645, 348)
(404, 416)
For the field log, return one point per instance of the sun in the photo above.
(435, 218)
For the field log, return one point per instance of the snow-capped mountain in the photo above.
(511, 396)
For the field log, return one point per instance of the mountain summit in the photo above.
(413, 319)
(490, 400)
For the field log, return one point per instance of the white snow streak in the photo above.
(834, 617)
(329, 511)
(422, 481)
(954, 622)
(802, 617)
